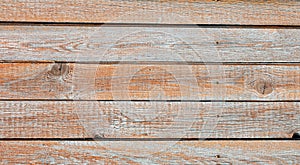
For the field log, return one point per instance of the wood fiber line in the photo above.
(149, 44)
(60, 119)
(197, 152)
(259, 12)
(69, 81)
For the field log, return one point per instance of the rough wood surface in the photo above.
(115, 43)
(258, 12)
(120, 152)
(138, 76)
(60, 119)
(149, 82)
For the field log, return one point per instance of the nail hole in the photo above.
(98, 137)
(217, 42)
(296, 135)
(217, 156)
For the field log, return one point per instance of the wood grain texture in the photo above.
(203, 152)
(60, 119)
(114, 43)
(149, 82)
(259, 12)
(140, 75)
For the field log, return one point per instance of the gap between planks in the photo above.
(150, 63)
(148, 139)
(147, 25)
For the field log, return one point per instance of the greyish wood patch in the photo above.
(191, 152)
(148, 44)
(89, 119)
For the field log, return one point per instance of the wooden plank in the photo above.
(149, 82)
(120, 152)
(86, 119)
(273, 12)
(114, 43)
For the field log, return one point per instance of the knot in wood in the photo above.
(263, 86)
(59, 69)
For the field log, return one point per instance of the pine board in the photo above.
(73, 81)
(92, 119)
(237, 12)
(143, 152)
(113, 43)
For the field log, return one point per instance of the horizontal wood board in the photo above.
(121, 152)
(237, 12)
(73, 81)
(92, 119)
(112, 43)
